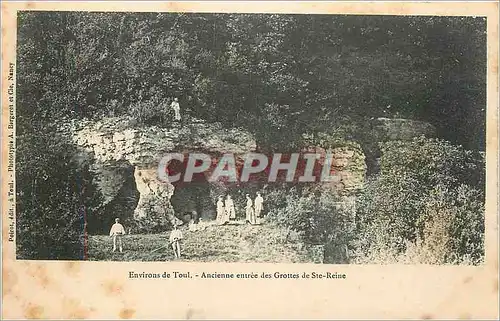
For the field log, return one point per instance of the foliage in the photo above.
(428, 199)
(280, 76)
(151, 112)
(317, 216)
(55, 196)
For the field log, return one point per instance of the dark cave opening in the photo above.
(193, 199)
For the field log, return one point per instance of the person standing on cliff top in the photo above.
(174, 240)
(117, 231)
(177, 109)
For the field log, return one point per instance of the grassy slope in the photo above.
(231, 243)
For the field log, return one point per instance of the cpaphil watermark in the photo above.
(294, 167)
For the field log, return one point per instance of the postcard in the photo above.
(249, 160)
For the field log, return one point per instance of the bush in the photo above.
(318, 218)
(453, 225)
(55, 196)
(425, 206)
(151, 112)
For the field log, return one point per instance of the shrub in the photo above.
(317, 216)
(425, 206)
(55, 195)
(154, 111)
(453, 225)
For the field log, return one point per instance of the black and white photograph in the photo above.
(250, 137)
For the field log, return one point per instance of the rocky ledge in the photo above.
(125, 160)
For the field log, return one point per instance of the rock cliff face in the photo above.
(122, 154)
(126, 163)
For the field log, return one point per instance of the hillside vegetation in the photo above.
(281, 78)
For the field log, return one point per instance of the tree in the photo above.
(55, 196)
(309, 73)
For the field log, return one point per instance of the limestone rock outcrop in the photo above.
(115, 147)
(126, 162)
(385, 129)
(124, 153)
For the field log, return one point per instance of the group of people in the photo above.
(225, 213)
(226, 210)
